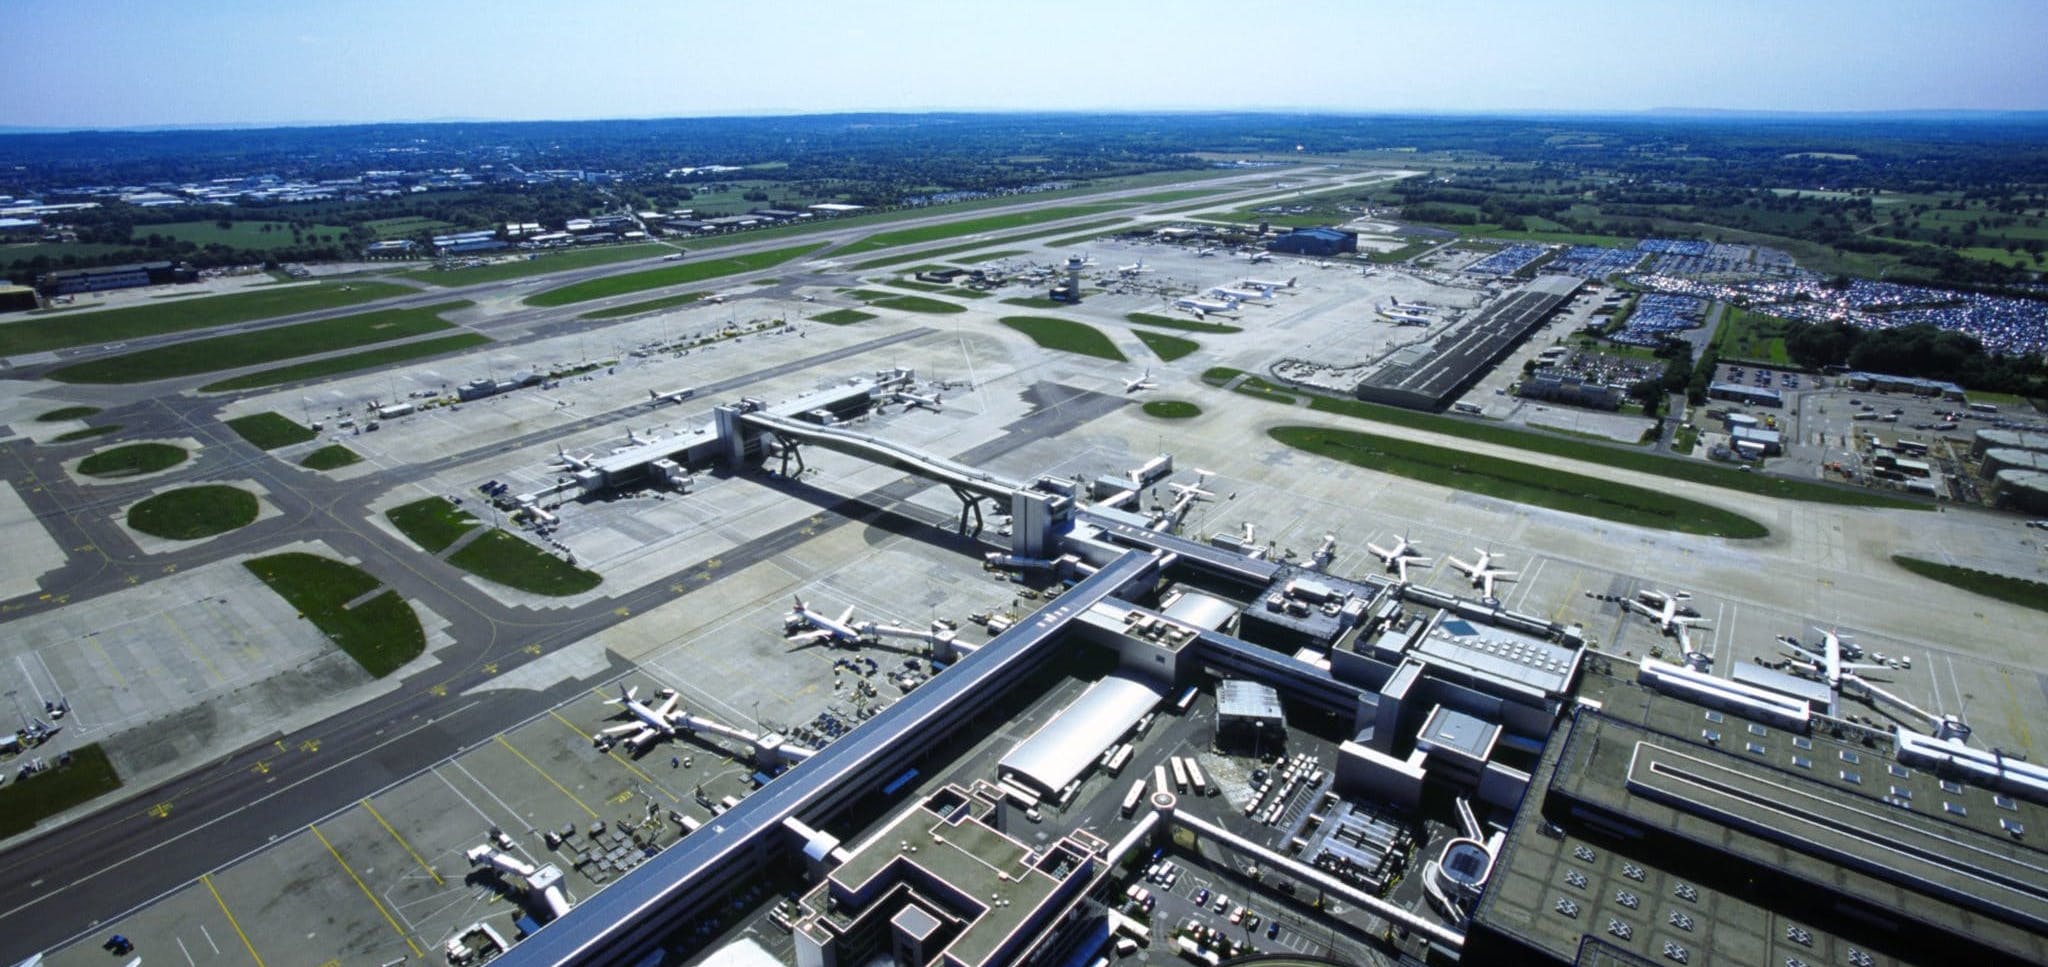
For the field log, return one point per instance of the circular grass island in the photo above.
(1172, 409)
(133, 459)
(190, 513)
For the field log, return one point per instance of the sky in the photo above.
(130, 63)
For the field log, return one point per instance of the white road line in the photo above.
(208, 934)
(187, 953)
(488, 791)
(1961, 706)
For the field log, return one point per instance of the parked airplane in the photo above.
(566, 462)
(1204, 251)
(1130, 270)
(1242, 295)
(1482, 572)
(1826, 660)
(913, 400)
(1141, 383)
(647, 723)
(1398, 557)
(822, 627)
(1202, 307)
(1184, 496)
(1667, 610)
(673, 396)
(1269, 284)
(1257, 257)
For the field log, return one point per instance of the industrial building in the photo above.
(134, 275)
(1737, 392)
(1884, 383)
(1427, 376)
(1571, 391)
(1319, 242)
(1984, 441)
(17, 298)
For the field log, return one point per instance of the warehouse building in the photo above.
(111, 277)
(1753, 395)
(1428, 375)
(1320, 242)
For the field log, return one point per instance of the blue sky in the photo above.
(112, 63)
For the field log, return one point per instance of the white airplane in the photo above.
(565, 461)
(1201, 307)
(1667, 610)
(1257, 257)
(1130, 270)
(1242, 295)
(1204, 251)
(647, 723)
(1141, 383)
(822, 627)
(1324, 553)
(1269, 284)
(1826, 661)
(1184, 496)
(1482, 572)
(914, 401)
(655, 399)
(1398, 557)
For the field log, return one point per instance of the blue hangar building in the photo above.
(1315, 241)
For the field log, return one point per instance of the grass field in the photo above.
(262, 346)
(1168, 348)
(651, 305)
(1066, 335)
(184, 315)
(1522, 483)
(679, 273)
(268, 430)
(1031, 302)
(336, 365)
(88, 433)
(2011, 590)
(405, 225)
(330, 457)
(978, 246)
(63, 413)
(1172, 409)
(1747, 336)
(135, 458)
(433, 523)
(1182, 194)
(909, 303)
(1185, 325)
(976, 226)
(507, 560)
(842, 317)
(381, 634)
(246, 235)
(1115, 227)
(540, 264)
(914, 285)
(32, 799)
(189, 513)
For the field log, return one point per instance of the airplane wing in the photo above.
(667, 708)
(846, 615)
(629, 727)
(811, 635)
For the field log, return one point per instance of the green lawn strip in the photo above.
(381, 634)
(32, 799)
(189, 513)
(977, 246)
(1186, 325)
(1168, 348)
(2011, 590)
(1119, 227)
(183, 315)
(85, 434)
(976, 226)
(507, 560)
(651, 305)
(1522, 483)
(916, 303)
(433, 523)
(269, 430)
(680, 273)
(1746, 336)
(331, 457)
(262, 346)
(914, 285)
(135, 458)
(842, 317)
(61, 414)
(1032, 302)
(1182, 194)
(539, 265)
(336, 365)
(1065, 335)
(1172, 409)
(964, 293)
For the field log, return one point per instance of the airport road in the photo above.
(92, 869)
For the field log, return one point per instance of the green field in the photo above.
(842, 317)
(651, 305)
(336, 365)
(63, 413)
(978, 246)
(1185, 325)
(381, 634)
(262, 346)
(909, 303)
(1747, 336)
(184, 315)
(1172, 409)
(914, 285)
(432, 523)
(88, 433)
(680, 273)
(133, 459)
(1168, 348)
(2011, 590)
(1115, 227)
(1522, 483)
(1065, 335)
(1182, 194)
(976, 226)
(32, 799)
(540, 264)
(190, 513)
(268, 430)
(243, 235)
(1031, 302)
(330, 457)
(507, 560)
(408, 225)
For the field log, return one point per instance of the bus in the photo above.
(1195, 779)
(1180, 775)
(1185, 701)
(1131, 798)
(1983, 408)
(1119, 758)
(1159, 777)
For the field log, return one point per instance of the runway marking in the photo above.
(187, 953)
(119, 679)
(207, 879)
(208, 934)
(360, 885)
(458, 794)
(191, 648)
(2012, 711)
(544, 775)
(401, 841)
(1934, 681)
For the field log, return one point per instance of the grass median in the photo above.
(382, 633)
(842, 317)
(436, 525)
(63, 413)
(651, 305)
(269, 430)
(976, 226)
(313, 369)
(1168, 348)
(133, 460)
(1185, 325)
(433, 523)
(334, 456)
(1172, 409)
(190, 513)
(184, 315)
(32, 799)
(1522, 483)
(2003, 587)
(539, 264)
(262, 346)
(1066, 335)
(680, 273)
